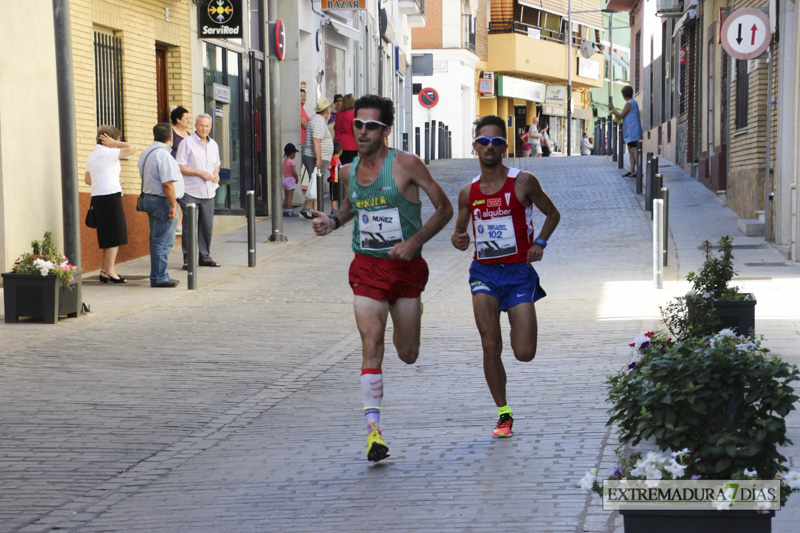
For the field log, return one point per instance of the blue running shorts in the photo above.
(510, 283)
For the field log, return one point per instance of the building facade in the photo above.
(134, 61)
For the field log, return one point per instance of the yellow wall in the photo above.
(30, 160)
(545, 60)
(141, 24)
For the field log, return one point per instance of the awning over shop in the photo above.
(348, 31)
(560, 7)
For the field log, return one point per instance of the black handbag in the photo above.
(91, 217)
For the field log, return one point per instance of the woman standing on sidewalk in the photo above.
(102, 174)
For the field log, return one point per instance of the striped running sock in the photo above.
(372, 394)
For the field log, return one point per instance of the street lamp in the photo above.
(569, 66)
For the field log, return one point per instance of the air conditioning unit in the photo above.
(669, 8)
(486, 85)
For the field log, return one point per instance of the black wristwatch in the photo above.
(336, 221)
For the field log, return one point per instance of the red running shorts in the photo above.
(388, 279)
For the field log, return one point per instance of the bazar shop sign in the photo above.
(220, 19)
(343, 4)
(523, 89)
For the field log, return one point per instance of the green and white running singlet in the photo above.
(383, 216)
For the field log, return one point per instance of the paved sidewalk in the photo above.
(237, 407)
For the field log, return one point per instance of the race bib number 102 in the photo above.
(495, 238)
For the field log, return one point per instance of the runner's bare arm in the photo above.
(322, 223)
(460, 237)
(414, 171)
(534, 194)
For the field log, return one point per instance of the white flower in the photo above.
(654, 472)
(708, 294)
(792, 477)
(43, 266)
(726, 333)
(750, 473)
(746, 347)
(690, 293)
(640, 339)
(680, 453)
(637, 356)
(588, 480)
(675, 469)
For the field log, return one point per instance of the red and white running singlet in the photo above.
(501, 225)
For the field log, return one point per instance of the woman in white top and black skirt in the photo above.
(102, 173)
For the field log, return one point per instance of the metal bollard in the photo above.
(658, 243)
(665, 197)
(639, 172)
(191, 245)
(405, 142)
(320, 191)
(658, 179)
(620, 149)
(416, 142)
(609, 130)
(427, 143)
(251, 228)
(613, 141)
(434, 133)
(450, 145)
(648, 183)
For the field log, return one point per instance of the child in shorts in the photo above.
(290, 179)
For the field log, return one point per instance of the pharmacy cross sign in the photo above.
(746, 33)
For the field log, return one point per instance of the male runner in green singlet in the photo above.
(388, 273)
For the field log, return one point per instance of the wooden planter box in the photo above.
(697, 521)
(45, 297)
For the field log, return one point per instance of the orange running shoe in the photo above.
(503, 428)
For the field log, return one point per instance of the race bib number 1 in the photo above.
(495, 238)
(380, 230)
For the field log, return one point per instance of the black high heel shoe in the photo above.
(104, 277)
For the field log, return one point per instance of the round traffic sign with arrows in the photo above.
(428, 97)
(746, 34)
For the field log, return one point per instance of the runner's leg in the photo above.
(487, 318)
(406, 320)
(524, 330)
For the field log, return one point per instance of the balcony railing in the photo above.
(546, 34)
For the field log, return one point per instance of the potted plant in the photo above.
(42, 284)
(712, 304)
(717, 405)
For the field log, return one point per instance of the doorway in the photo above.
(520, 127)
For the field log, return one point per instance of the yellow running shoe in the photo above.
(376, 448)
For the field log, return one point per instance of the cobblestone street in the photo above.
(237, 407)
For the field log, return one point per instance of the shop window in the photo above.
(108, 79)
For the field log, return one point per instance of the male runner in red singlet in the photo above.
(388, 273)
(501, 277)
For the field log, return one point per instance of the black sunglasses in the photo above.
(495, 141)
(371, 125)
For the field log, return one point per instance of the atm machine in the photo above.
(219, 107)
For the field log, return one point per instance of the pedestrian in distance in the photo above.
(526, 148)
(198, 157)
(535, 138)
(388, 273)
(333, 179)
(547, 148)
(317, 153)
(303, 116)
(290, 178)
(631, 126)
(181, 120)
(498, 203)
(162, 187)
(343, 131)
(586, 145)
(103, 176)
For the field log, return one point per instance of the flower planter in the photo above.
(666, 521)
(45, 297)
(738, 314)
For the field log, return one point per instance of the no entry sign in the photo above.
(746, 34)
(428, 98)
